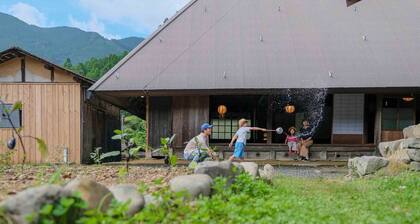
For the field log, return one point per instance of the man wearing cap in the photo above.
(197, 148)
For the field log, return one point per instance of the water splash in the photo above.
(310, 101)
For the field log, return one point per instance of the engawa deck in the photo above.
(279, 152)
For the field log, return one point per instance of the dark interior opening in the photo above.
(320, 117)
(370, 114)
(250, 107)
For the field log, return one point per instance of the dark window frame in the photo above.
(15, 116)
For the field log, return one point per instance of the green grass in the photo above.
(393, 199)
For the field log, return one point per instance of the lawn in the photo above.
(377, 199)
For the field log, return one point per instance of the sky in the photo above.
(113, 19)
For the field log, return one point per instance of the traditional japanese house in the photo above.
(56, 107)
(353, 71)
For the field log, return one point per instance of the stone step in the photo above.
(313, 163)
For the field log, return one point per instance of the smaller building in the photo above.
(56, 108)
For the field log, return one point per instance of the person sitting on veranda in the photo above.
(198, 147)
(306, 141)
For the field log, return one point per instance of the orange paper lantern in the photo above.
(222, 110)
(408, 98)
(290, 108)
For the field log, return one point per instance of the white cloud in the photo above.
(28, 14)
(92, 25)
(140, 15)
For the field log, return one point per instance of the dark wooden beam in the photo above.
(52, 74)
(378, 119)
(269, 119)
(23, 69)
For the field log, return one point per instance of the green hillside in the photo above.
(59, 43)
(95, 68)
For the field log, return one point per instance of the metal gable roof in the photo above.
(274, 44)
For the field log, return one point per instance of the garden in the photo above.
(374, 199)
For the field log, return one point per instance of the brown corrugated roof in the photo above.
(248, 44)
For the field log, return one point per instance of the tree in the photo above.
(95, 68)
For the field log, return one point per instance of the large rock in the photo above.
(268, 173)
(415, 166)
(388, 148)
(251, 168)
(414, 154)
(217, 169)
(31, 200)
(194, 185)
(128, 193)
(93, 193)
(412, 131)
(366, 164)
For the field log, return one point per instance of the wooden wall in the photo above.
(189, 112)
(159, 119)
(51, 111)
(100, 119)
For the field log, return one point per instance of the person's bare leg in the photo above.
(232, 158)
(304, 151)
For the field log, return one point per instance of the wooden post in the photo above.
(52, 74)
(23, 69)
(378, 119)
(269, 119)
(148, 152)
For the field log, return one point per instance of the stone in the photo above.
(216, 169)
(414, 154)
(412, 131)
(128, 193)
(31, 200)
(251, 168)
(366, 164)
(415, 166)
(93, 193)
(388, 148)
(195, 184)
(150, 199)
(238, 166)
(268, 173)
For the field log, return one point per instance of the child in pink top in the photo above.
(292, 141)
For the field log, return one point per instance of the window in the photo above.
(397, 114)
(224, 129)
(15, 117)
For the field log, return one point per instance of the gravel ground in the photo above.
(312, 172)
(13, 180)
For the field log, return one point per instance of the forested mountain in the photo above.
(59, 43)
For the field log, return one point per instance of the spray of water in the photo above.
(311, 101)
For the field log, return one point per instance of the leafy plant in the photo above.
(64, 211)
(6, 159)
(98, 157)
(56, 177)
(11, 144)
(132, 137)
(166, 150)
